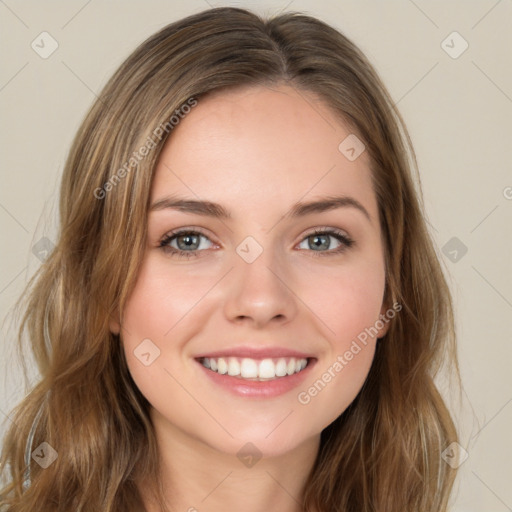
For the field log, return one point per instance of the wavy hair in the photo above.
(383, 454)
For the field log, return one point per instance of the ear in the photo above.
(114, 325)
(384, 320)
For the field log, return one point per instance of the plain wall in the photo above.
(458, 112)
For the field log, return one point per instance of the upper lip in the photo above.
(256, 353)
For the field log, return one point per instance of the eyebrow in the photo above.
(210, 209)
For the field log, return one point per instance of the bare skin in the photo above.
(257, 152)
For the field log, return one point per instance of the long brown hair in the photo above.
(383, 453)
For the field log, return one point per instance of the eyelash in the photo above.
(346, 243)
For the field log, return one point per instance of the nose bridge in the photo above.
(257, 288)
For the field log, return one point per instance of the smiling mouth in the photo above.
(255, 369)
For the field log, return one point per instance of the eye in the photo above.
(187, 243)
(320, 242)
(184, 243)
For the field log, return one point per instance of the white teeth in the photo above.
(233, 367)
(222, 365)
(267, 369)
(281, 368)
(248, 368)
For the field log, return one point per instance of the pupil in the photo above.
(189, 240)
(321, 244)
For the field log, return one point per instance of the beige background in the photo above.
(458, 111)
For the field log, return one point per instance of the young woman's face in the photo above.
(248, 271)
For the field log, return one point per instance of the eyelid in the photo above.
(323, 230)
(342, 236)
(309, 232)
(186, 230)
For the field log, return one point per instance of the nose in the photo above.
(259, 293)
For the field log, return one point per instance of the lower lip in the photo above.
(259, 389)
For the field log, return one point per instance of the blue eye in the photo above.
(187, 243)
(319, 239)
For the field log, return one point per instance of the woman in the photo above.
(244, 308)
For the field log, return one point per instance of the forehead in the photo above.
(259, 146)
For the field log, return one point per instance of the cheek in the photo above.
(158, 319)
(336, 384)
(351, 313)
(154, 307)
(347, 300)
(160, 301)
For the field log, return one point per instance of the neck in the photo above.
(199, 478)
